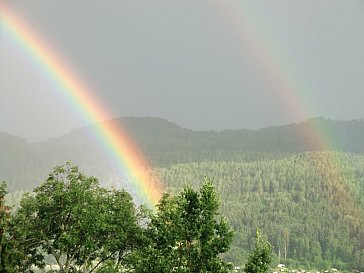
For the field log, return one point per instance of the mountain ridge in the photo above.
(164, 143)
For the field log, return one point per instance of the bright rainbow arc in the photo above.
(117, 142)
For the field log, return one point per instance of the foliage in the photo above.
(10, 254)
(4, 223)
(184, 234)
(260, 259)
(76, 222)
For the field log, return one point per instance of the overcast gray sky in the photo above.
(204, 64)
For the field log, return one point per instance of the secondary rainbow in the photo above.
(253, 34)
(251, 31)
(120, 146)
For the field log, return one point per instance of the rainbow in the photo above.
(254, 36)
(120, 146)
(251, 34)
(247, 32)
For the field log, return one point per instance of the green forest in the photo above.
(307, 198)
(313, 213)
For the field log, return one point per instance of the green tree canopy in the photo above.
(4, 223)
(184, 235)
(76, 223)
(260, 259)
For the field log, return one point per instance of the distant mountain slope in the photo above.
(15, 154)
(164, 143)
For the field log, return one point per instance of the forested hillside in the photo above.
(313, 212)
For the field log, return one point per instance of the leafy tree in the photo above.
(9, 253)
(4, 223)
(260, 259)
(184, 234)
(76, 222)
